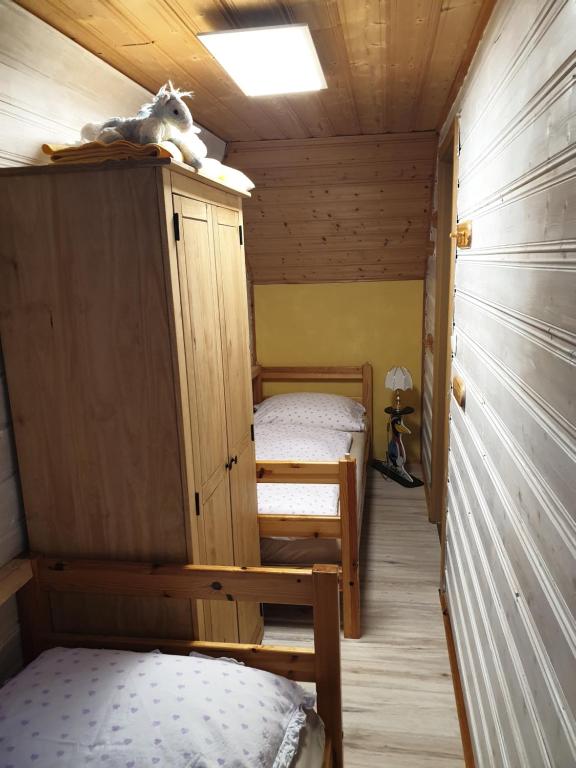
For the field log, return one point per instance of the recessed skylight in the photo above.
(266, 61)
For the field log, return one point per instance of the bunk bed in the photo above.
(311, 535)
(117, 688)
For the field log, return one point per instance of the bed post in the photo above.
(349, 546)
(326, 606)
(257, 393)
(367, 401)
(34, 615)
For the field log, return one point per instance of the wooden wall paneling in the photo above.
(318, 214)
(510, 528)
(381, 60)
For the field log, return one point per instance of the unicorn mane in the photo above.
(167, 90)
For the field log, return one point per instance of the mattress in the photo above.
(311, 551)
(120, 709)
(281, 442)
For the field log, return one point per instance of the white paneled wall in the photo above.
(511, 541)
(49, 87)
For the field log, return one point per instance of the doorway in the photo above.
(443, 322)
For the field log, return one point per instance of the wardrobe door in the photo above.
(199, 290)
(239, 408)
(203, 351)
(235, 334)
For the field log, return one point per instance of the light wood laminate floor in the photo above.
(399, 707)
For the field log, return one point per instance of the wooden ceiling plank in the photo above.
(336, 242)
(334, 156)
(341, 211)
(429, 137)
(340, 274)
(338, 100)
(412, 24)
(379, 225)
(366, 32)
(300, 177)
(398, 256)
(422, 67)
(456, 25)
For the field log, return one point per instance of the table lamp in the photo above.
(399, 380)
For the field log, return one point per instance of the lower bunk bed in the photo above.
(312, 452)
(130, 702)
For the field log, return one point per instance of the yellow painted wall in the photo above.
(346, 324)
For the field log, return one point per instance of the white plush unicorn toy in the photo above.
(166, 118)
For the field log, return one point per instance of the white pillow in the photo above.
(312, 409)
(119, 709)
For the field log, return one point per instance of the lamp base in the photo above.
(389, 470)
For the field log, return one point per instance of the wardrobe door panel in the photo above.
(204, 351)
(235, 334)
(220, 616)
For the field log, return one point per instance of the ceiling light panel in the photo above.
(267, 61)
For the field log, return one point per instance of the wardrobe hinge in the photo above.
(241, 234)
(176, 220)
(197, 502)
(252, 432)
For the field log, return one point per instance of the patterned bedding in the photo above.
(295, 442)
(118, 709)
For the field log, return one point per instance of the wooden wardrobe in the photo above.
(124, 326)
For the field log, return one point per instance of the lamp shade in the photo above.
(398, 378)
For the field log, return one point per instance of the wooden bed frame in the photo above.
(33, 580)
(343, 526)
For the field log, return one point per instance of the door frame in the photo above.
(447, 193)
